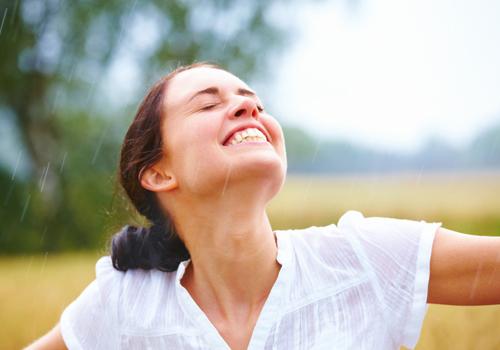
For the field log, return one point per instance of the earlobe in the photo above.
(155, 180)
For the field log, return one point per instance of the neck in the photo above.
(233, 253)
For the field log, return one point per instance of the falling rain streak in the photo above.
(44, 263)
(17, 164)
(43, 234)
(226, 181)
(3, 20)
(91, 92)
(316, 149)
(25, 208)
(71, 73)
(476, 281)
(56, 99)
(44, 177)
(98, 149)
(62, 162)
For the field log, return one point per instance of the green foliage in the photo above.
(57, 57)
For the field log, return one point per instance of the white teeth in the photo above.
(250, 134)
(259, 133)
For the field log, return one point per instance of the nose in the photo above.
(246, 107)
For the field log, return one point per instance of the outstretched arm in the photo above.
(52, 340)
(465, 269)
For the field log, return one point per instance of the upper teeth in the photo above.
(249, 134)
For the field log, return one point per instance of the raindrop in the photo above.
(128, 16)
(42, 268)
(62, 162)
(98, 149)
(13, 17)
(28, 269)
(476, 281)
(224, 45)
(316, 149)
(25, 208)
(17, 164)
(3, 20)
(43, 234)
(56, 99)
(44, 177)
(91, 92)
(71, 73)
(226, 181)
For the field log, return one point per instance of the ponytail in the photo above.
(147, 248)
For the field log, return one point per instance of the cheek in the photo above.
(192, 146)
(194, 134)
(274, 128)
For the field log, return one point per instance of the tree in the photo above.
(56, 59)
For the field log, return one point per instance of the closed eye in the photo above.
(260, 109)
(208, 107)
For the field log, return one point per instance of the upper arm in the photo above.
(51, 341)
(464, 269)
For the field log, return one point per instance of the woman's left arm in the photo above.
(465, 269)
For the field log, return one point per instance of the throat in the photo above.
(237, 336)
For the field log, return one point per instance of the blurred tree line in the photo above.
(308, 154)
(64, 109)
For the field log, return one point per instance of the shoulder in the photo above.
(325, 240)
(323, 261)
(357, 245)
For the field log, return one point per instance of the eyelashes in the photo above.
(208, 107)
(213, 105)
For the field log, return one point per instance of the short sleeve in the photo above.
(90, 321)
(396, 254)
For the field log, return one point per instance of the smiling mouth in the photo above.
(247, 136)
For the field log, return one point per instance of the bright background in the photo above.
(391, 108)
(391, 74)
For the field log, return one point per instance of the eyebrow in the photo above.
(215, 91)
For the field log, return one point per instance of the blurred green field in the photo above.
(35, 289)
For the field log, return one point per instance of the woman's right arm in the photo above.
(52, 340)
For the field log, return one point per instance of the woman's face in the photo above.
(216, 133)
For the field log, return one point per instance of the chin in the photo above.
(269, 172)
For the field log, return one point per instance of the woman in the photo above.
(201, 161)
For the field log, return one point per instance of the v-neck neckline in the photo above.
(268, 315)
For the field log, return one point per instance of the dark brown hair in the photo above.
(157, 246)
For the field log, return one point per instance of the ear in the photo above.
(156, 179)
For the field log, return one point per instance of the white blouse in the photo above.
(361, 284)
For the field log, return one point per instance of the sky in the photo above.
(391, 74)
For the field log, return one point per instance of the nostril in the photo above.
(239, 112)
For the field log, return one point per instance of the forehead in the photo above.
(187, 83)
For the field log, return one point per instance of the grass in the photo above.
(35, 289)
(468, 203)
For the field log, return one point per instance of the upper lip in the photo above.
(246, 126)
